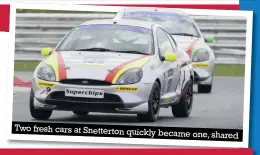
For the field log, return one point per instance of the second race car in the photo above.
(114, 67)
(188, 36)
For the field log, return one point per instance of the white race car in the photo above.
(187, 35)
(114, 67)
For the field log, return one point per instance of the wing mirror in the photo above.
(209, 39)
(46, 51)
(170, 57)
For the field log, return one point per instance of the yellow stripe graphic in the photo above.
(136, 64)
(52, 61)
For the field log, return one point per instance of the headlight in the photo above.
(130, 77)
(201, 55)
(45, 72)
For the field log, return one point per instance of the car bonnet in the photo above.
(103, 66)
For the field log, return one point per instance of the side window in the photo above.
(179, 53)
(172, 42)
(164, 43)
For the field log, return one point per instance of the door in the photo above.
(170, 70)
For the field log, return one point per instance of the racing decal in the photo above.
(169, 85)
(170, 72)
(135, 63)
(200, 65)
(189, 49)
(153, 67)
(46, 91)
(180, 82)
(56, 61)
(52, 61)
(86, 93)
(45, 84)
(91, 62)
(136, 29)
(61, 65)
(126, 89)
(168, 99)
(170, 80)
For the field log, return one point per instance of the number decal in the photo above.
(170, 72)
(182, 85)
(169, 85)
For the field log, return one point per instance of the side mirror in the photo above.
(170, 57)
(209, 39)
(46, 51)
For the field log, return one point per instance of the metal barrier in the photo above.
(34, 31)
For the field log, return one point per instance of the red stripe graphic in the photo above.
(189, 49)
(166, 151)
(61, 70)
(5, 17)
(185, 6)
(110, 76)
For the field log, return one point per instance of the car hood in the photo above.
(188, 44)
(104, 66)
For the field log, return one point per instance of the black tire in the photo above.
(204, 88)
(80, 113)
(38, 113)
(153, 105)
(184, 107)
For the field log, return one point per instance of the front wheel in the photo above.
(38, 113)
(153, 105)
(183, 109)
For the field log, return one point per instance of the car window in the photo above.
(174, 23)
(119, 38)
(174, 46)
(164, 43)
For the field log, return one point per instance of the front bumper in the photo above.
(203, 72)
(114, 100)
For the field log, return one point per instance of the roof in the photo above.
(143, 24)
(153, 9)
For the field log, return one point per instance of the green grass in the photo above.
(53, 11)
(229, 70)
(25, 66)
(220, 70)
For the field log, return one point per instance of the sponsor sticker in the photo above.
(85, 93)
(45, 84)
(126, 89)
(200, 65)
(168, 99)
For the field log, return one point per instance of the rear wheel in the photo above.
(204, 88)
(183, 109)
(153, 105)
(80, 113)
(38, 113)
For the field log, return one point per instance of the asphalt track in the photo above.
(223, 108)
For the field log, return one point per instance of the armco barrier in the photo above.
(34, 31)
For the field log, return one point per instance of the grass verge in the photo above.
(220, 69)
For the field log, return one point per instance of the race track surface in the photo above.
(223, 108)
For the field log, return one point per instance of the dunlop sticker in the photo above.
(126, 89)
(45, 84)
(200, 65)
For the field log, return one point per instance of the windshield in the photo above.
(108, 37)
(177, 24)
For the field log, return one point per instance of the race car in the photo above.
(187, 35)
(113, 66)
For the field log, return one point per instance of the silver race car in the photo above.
(114, 67)
(187, 35)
